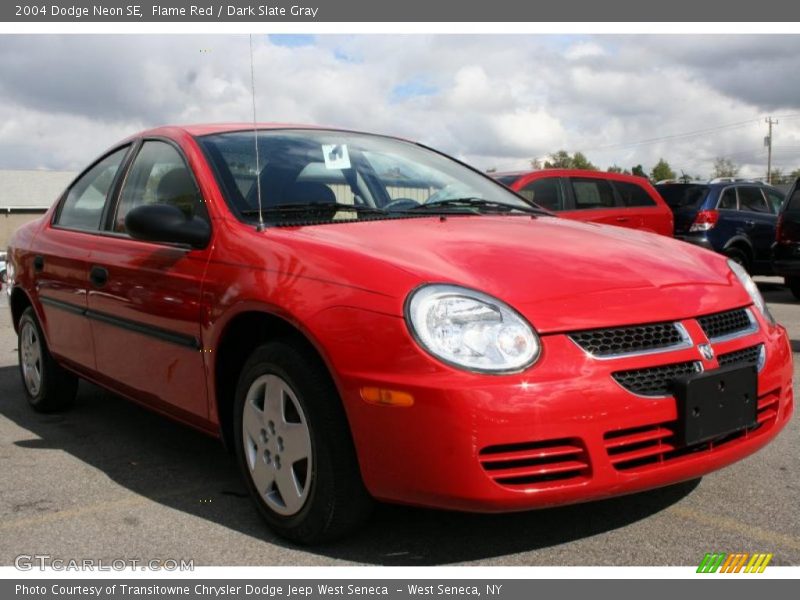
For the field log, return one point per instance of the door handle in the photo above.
(38, 263)
(98, 276)
(750, 223)
(623, 219)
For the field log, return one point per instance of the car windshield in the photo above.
(318, 175)
(678, 195)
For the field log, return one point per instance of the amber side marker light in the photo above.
(384, 397)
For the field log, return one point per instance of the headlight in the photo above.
(752, 289)
(471, 330)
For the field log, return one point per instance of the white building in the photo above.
(26, 194)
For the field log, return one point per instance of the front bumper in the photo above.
(564, 431)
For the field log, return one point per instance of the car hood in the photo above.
(562, 275)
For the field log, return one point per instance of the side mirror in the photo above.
(167, 223)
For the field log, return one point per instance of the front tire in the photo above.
(48, 386)
(294, 447)
(738, 256)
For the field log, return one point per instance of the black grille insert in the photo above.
(655, 381)
(745, 356)
(628, 340)
(725, 323)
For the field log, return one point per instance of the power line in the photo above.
(687, 134)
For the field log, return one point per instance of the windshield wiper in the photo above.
(480, 204)
(314, 207)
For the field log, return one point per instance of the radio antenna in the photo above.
(260, 226)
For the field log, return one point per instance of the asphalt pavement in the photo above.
(110, 480)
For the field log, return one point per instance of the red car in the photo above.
(360, 317)
(594, 196)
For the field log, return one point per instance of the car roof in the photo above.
(573, 173)
(201, 129)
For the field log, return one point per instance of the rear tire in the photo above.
(48, 386)
(738, 256)
(294, 447)
(793, 283)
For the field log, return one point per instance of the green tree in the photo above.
(638, 170)
(614, 169)
(661, 171)
(563, 160)
(794, 174)
(775, 176)
(724, 167)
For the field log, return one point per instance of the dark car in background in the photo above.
(737, 219)
(786, 251)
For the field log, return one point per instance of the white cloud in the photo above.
(492, 100)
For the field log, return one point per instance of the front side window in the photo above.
(83, 206)
(633, 195)
(158, 176)
(751, 198)
(544, 192)
(592, 193)
(315, 174)
(775, 200)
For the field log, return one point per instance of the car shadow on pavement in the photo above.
(185, 470)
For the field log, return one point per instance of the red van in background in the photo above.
(595, 196)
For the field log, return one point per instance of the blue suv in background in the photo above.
(735, 218)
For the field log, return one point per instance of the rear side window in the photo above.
(751, 198)
(83, 206)
(159, 176)
(728, 199)
(633, 195)
(592, 193)
(544, 192)
(679, 196)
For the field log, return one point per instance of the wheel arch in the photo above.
(239, 337)
(740, 242)
(19, 302)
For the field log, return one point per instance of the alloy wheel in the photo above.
(277, 444)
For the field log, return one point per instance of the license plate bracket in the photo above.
(715, 403)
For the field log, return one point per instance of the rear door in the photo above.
(759, 221)
(145, 298)
(641, 205)
(594, 199)
(61, 261)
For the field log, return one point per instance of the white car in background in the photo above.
(3, 276)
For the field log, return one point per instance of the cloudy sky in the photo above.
(495, 101)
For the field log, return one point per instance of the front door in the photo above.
(145, 298)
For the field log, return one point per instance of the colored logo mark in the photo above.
(734, 563)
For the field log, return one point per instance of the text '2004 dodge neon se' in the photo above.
(390, 324)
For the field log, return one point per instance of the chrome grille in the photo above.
(726, 323)
(655, 381)
(618, 341)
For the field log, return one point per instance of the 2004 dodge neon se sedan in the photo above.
(360, 317)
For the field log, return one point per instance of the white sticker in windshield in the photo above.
(336, 156)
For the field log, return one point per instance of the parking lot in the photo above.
(111, 480)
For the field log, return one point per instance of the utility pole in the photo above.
(768, 143)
